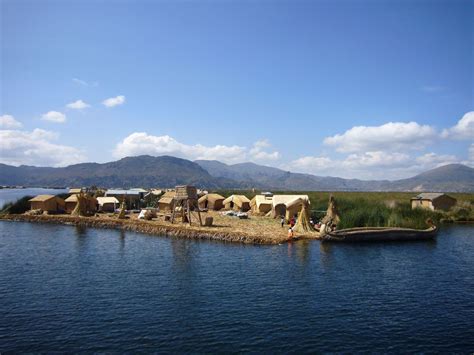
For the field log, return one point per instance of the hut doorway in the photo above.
(280, 210)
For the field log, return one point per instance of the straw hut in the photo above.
(288, 205)
(107, 204)
(166, 201)
(211, 201)
(261, 204)
(90, 203)
(49, 203)
(237, 202)
(433, 201)
(131, 197)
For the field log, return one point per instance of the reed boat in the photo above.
(376, 234)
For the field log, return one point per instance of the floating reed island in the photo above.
(254, 230)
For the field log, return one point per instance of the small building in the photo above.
(433, 201)
(141, 192)
(131, 197)
(49, 203)
(71, 202)
(166, 201)
(211, 201)
(288, 205)
(107, 204)
(261, 204)
(75, 190)
(237, 203)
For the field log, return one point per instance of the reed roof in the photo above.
(41, 198)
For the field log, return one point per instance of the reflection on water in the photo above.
(76, 289)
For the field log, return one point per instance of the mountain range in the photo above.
(168, 171)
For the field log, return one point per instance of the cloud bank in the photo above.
(36, 148)
(139, 143)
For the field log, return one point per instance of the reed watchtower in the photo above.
(185, 203)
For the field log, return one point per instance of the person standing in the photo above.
(282, 221)
(290, 233)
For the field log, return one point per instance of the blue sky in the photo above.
(365, 89)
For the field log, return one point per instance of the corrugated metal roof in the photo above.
(122, 192)
(139, 189)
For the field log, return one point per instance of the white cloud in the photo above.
(54, 116)
(139, 143)
(257, 152)
(8, 121)
(378, 159)
(114, 101)
(36, 148)
(471, 152)
(390, 136)
(78, 105)
(464, 129)
(85, 83)
(372, 165)
(433, 160)
(312, 165)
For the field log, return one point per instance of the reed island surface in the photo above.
(254, 230)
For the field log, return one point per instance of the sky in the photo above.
(358, 89)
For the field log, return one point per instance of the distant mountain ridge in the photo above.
(168, 171)
(452, 178)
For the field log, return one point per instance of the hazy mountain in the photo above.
(167, 171)
(264, 177)
(144, 171)
(453, 178)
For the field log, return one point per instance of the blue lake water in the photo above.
(11, 195)
(68, 289)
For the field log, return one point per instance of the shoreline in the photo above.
(157, 228)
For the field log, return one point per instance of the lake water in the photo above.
(11, 195)
(68, 289)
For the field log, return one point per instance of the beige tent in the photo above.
(237, 202)
(211, 201)
(261, 204)
(166, 201)
(288, 205)
(48, 203)
(71, 202)
(107, 204)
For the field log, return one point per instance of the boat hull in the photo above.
(379, 234)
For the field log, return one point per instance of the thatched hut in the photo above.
(211, 201)
(261, 204)
(107, 204)
(237, 203)
(166, 201)
(90, 203)
(433, 201)
(49, 203)
(288, 205)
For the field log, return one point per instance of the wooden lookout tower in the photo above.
(185, 204)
